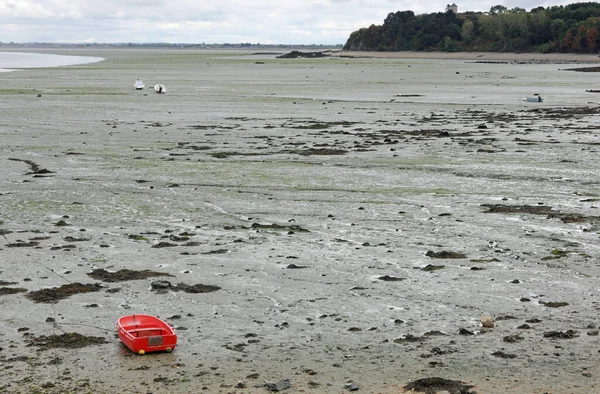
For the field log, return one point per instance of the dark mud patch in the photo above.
(321, 125)
(409, 338)
(75, 239)
(389, 278)
(431, 267)
(585, 69)
(162, 286)
(574, 218)
(492, 260)
(164, 244)
(428, 133)
(444, 254)
(554, 304)
(157, 124)
(11, 290)
(564, 113)
(303, 55)
(217, 251)
(275, 226)
(65, 341)
(502, 354)
(540, 210)
(124, 275)
(29, 244)
(295, 267)
(531, 209)
(35, 169)
(569, 334)
(317, 152)
(435, 384)
(512, 338)
(224, 155)
(556, 254)
(56, 294)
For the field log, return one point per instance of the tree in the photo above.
(558, 28)
(498, 9)
(449, 45)
(579, 43)
(466, 33)
(566, 44)
(572, 28)
(592, 39)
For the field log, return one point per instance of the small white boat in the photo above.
(160, 88)
(534, 99)
(139, 85)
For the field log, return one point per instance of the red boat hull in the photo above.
(146, 333)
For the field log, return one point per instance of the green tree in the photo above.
(571, 28)
(467, 31)
(449, 45)
(558, 29)
(498, 9)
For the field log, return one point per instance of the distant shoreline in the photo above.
(476, 56)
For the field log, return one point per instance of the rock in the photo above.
(512, 338)
(431, 267)
(351, 386)
(298, 54)
(569, 334)
(444, 254)
(160, 284)
(436, 384)
(278, 386)
(464, 331)
(502, 354)
(487, 321)
(388, 278)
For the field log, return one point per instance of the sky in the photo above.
(327, 22)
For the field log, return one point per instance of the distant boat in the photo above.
(160, 88)
(139, 85)
(534, 99)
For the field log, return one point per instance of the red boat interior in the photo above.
(145, 332)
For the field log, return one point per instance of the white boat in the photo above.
(160, 88)
(534, 99)
(139, 85)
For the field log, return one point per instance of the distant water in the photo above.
(15, 60)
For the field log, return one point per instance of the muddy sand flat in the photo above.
(308, 226)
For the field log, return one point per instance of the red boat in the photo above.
(144, 333)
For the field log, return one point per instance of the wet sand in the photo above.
(327, 221)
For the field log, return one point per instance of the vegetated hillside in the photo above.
(573, 28)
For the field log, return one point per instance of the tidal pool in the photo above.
(19, 60)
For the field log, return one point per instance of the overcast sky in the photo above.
(211, 21)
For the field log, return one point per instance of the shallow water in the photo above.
(380, 161)
(18, 60)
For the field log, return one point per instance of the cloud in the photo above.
(222, 21)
